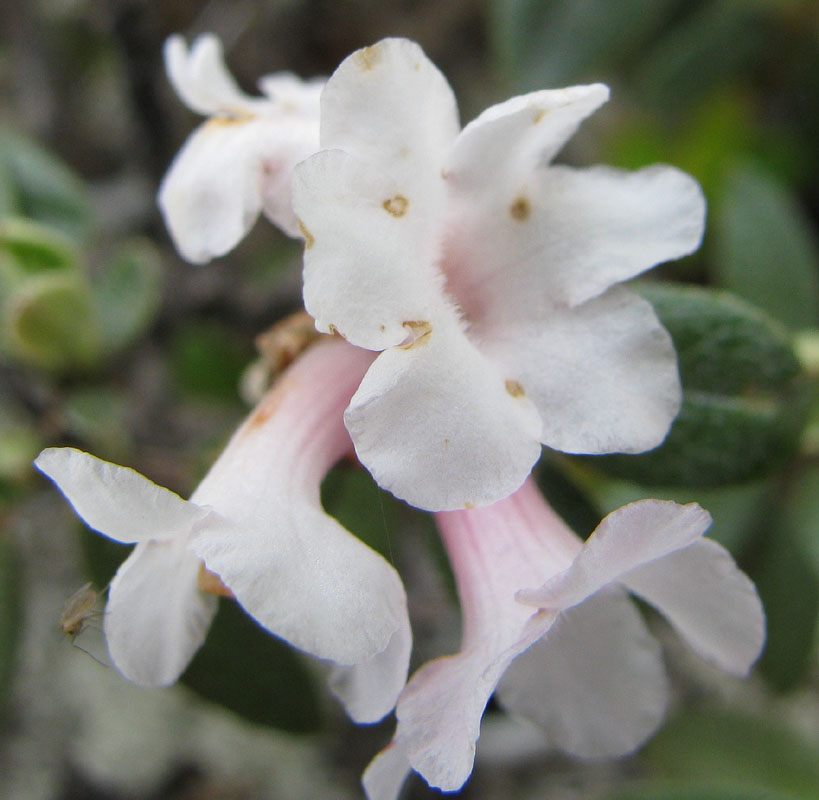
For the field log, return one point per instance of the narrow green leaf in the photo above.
(46, 189)
(765, 250)
(554, 43)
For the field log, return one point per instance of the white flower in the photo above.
(257, 523)
(487, 277)
(240, 161)
(573, 654)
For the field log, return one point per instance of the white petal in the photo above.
(226, 173)
(386, 773)
(439, 427)
(156, 618)
(117, 501)
(709, 601)
(200, 77)
(595, 683)
(306, 579)
(603, 375)
(369, 690)
(507, 141)
(561, 236)
(389, 106)
(369, 257)
(636, 534)
(293, 567)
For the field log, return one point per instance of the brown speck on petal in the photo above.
(367, 57)
(309, 239)
(520, 209)
(514, 389)
(397, 206)
(210, 583)
(540, 113)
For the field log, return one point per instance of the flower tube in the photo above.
(256, 522)
(548, 624)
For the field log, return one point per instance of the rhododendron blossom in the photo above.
(256, 522)
(240, 161)
(487, 276)
(548, 622)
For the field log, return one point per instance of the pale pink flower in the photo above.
(488, 277)
(240, 161)
(548, 624)
(255, 521)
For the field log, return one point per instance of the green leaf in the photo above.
(801, 514)
(709, 47)
(207, 360)
(45, 188)
(553, 43)
(789, 588)
(697, 790)
(50, 324)
(750, 753)
(19, 440)
(765, 250)
(349, 494)
(98, 416)
(743, 405)
(128, 292)
(243, 668)
(10, 612)
(36, 248)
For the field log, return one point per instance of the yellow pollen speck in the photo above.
(419, 334)
(238, 118)
(309, 239)
(468, 506)
(520, 209)
(367, 57)
(514, 389)
(397, 206)
(540, 113)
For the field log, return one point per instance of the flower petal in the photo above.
(226, 173)
(200, 77)
(560, 236)
(390, 106)
(369, 256)
(709, 601)
(294, 568)
(501, 147)
(117, 501)
(636, 534)
(595, 683)
(386, 773)
(603, 375)
(369, 690)
(156, 618)
(494, 551)
(439, 427)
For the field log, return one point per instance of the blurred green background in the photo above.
(109, 342)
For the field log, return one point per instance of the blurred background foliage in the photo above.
(109, 342)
